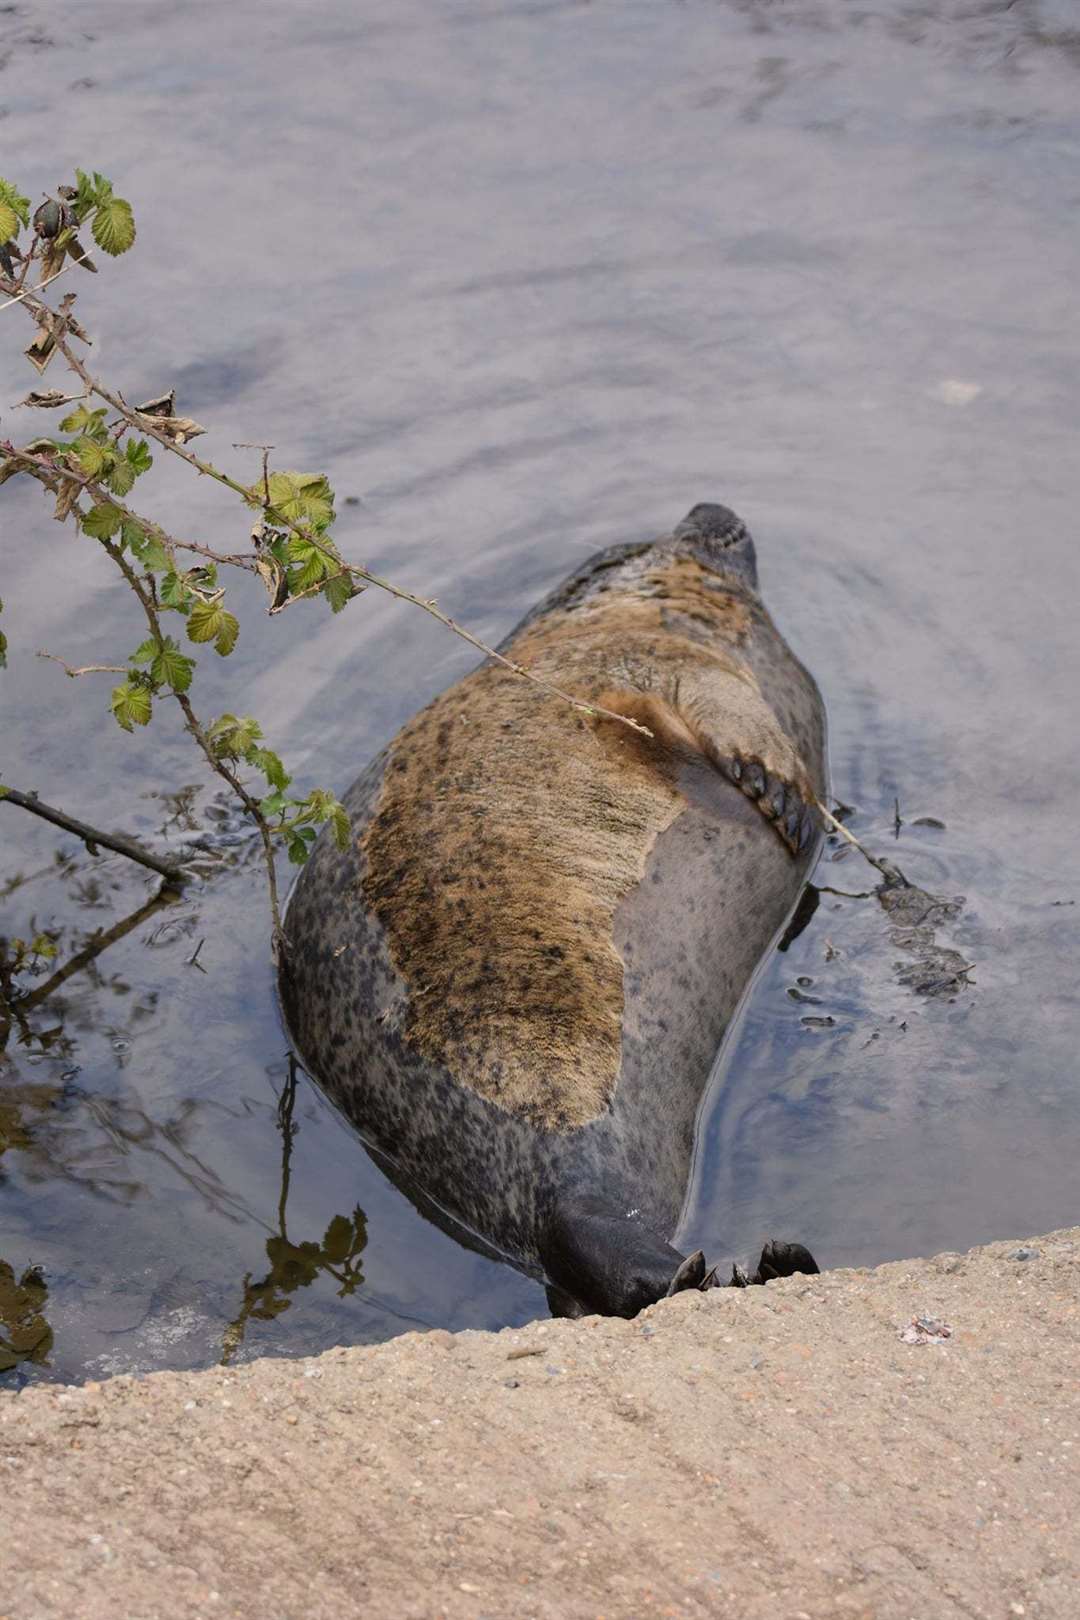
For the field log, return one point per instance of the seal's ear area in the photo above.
(721, 539)
(607, 1259)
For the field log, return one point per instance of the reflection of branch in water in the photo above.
(296, 1265)
(14, 1011)
(914, 915)
(25, 1335)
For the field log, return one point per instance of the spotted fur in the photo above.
(509, 829)
(516, 979)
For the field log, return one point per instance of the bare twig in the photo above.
(145, 425)
(892, 874)
(28, 292)
(86, 669)
(91, 836)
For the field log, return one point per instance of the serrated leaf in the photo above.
(171, 667)
(225, 640)
(9, 221)
(94, 458)
(84, 421)
(113, 227)
(313, 570)
(272, 805)
(233, 738)
(131, 705)
(340, 590)
(174, 593)
(102, 521)
(14, 199)
(265, 760)
(137, 452)
(145, 652)
(342, 827)
(85, 194)
(298, 849)
(205, 621)
(300, 497)
(120, 476)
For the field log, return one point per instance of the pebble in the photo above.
(1023, 1254)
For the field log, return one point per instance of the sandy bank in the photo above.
(777, 1452)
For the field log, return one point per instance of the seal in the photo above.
(516, 980)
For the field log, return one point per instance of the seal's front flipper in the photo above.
(778, 1259)
(734, 727)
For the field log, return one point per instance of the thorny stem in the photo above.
(197, 731)
(55, 323)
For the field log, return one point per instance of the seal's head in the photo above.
(720, 539)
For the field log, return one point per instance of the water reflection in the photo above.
(25, 1335)
(297, 1265)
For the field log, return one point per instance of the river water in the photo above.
(525, 279)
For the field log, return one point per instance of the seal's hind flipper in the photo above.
(778, 1259)
(691, 1274)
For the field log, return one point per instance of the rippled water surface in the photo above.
(526, 279)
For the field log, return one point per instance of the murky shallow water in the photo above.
(527, 279)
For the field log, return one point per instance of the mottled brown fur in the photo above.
(535, 823)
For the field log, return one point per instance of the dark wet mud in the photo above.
(525, 281)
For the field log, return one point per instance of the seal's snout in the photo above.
(710, 521)
(720, 537)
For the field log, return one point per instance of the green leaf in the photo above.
(85, 195)
(265, 760)
(233, 738)
(205, 621)
(137, 452)
(340, 590)
(93, 458)
(14, 199)
(114, 225)
(342, 827)
(299, 497)
(102, 521)
(225, 640)
(174, 593)
(171, 667)
(272, 805)
(84, 421)
(146, 547)
(313, 570)
(9, 221)
(120, 476)
(145, 652)
(130, 705)
(299, 846)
